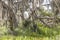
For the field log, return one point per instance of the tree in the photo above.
(56, 10)
(11, 17)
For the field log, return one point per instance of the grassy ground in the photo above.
(26, 34)
(25, 38)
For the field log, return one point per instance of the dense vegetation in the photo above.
(19, 21)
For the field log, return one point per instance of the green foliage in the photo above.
(46, 31)
(45, 13)
(43, 33)
(3, 30)
(25, 38)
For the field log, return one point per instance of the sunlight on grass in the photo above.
(26, 34)
(24, 38)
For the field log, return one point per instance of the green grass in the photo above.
(25, 38)
(26, 34)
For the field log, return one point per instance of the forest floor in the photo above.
(28, 35)
(28, 38)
